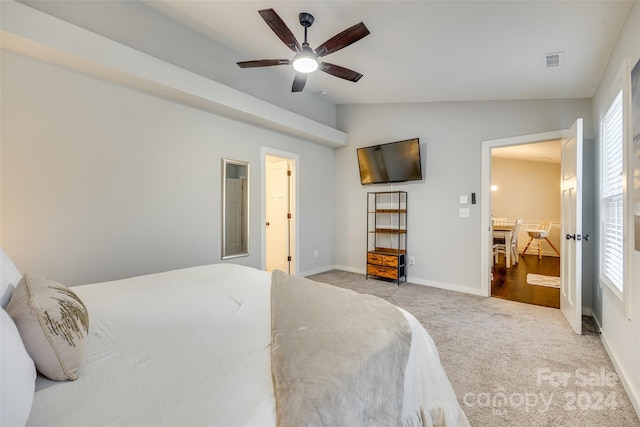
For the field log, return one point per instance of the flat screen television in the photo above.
(392, 162)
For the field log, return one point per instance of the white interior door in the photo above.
(277, 211)
(571, 235)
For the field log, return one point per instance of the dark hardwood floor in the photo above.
(511, 283)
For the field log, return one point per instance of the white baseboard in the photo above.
(350, 269)
(447, 286)
(423, 282)
(545, 252)
(631, 393)
(316, 271)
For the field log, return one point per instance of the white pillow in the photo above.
(9, 278)
(17, 376)
(53, 323)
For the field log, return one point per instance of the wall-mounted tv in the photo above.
(392, 162)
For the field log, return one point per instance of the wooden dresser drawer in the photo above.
(377, 270)
(380, 259)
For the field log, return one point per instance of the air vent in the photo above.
(552, 60)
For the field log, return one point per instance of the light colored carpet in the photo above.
(511, 364)
(542, 280)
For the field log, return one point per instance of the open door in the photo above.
(278, 215)
(571, 237)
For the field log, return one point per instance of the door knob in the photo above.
(267, 223)
(584, 237)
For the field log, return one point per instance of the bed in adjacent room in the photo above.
(230, 345)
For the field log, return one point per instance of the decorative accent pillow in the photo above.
(53, 324)
(9, 278)
(18, 376)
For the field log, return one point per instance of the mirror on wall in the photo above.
(235, 209)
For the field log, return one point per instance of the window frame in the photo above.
(621, 84)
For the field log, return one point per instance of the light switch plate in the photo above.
(463, 200)
(464, 213)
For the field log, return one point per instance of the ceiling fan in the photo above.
(306, 60)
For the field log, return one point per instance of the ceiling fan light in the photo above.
(305, 64)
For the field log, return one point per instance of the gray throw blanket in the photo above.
(338, 357)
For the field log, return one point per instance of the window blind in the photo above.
(612, 194)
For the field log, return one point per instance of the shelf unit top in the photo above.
(387, 251)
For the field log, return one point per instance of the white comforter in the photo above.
(192, 347)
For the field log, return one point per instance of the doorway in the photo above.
(485, 196)
(279, 208)
(525, 185)
(571, 216)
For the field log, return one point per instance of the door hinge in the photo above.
(289, 258)
(288, 216)
(288, 173)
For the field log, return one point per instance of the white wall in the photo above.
(528, 190)
(101, 182)
(446, 247)
(619, 334)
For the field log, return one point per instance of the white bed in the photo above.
(193, 347)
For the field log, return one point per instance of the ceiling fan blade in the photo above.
(344, 39)
(263, 63)
(338, 71)
(298, 82)
(280, 28)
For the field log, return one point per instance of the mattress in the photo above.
(192, 347)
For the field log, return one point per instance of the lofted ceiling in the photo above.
(427, 51)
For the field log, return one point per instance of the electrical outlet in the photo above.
(464, 213)
(412, 260)
(315, 253)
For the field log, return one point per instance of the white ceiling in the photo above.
(428, 51)
(546, 152)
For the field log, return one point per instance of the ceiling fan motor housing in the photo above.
(306, 19)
